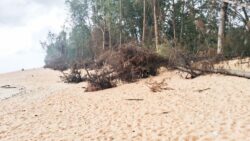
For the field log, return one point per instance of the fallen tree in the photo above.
(194, 72)
(226, 72)
(99, 81)
(129, 63)
(126, 64)
(196, 65)
(75, 75)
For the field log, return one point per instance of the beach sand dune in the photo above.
(208, 108)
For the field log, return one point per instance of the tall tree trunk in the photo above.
(156, 26)
(182, 19)
(245, 13)
(110, 40)
(221, 32)
(174, 24)
(103, 38)
(103, 27)
(144, 23)
(109, 28)
(120, 23)
(247, 22)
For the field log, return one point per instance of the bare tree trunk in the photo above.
(245, 13)
(103, 30)
(110, 40)
(105, 36)
(182, 20)
(103, 39)
(247, 22)
(109, 28)
(194, 72)
(221, 32)
(120, 23)
(156, 26)
(174, 24)
(144, 23)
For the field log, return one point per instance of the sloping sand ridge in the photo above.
(207, 108)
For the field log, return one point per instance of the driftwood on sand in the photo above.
(194, 72)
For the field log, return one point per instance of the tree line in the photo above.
(196, 26)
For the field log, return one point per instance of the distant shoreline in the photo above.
(20, 70)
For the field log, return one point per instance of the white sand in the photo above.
(52, 110)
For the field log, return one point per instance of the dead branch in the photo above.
(202, 90)
(194, 72)
(158, 86)
(229, 72)
(8, 87)
(99, 81)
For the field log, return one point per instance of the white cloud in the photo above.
(17, 12)
(24, 23)
(13, 39)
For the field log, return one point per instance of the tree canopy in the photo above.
(192, 25)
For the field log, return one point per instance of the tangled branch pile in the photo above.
(126, 64)
(74, 76)
(131, 63)
(99, 81)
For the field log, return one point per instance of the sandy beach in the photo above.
(207, 108)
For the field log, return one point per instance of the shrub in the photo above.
(74, 76)
(130, 63)
(58, 63)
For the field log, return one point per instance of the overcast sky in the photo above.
(23, 24)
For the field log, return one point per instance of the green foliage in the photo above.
(79, 10)
(79, 40)
(95, 23)
(56, 51)
(237, 43)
